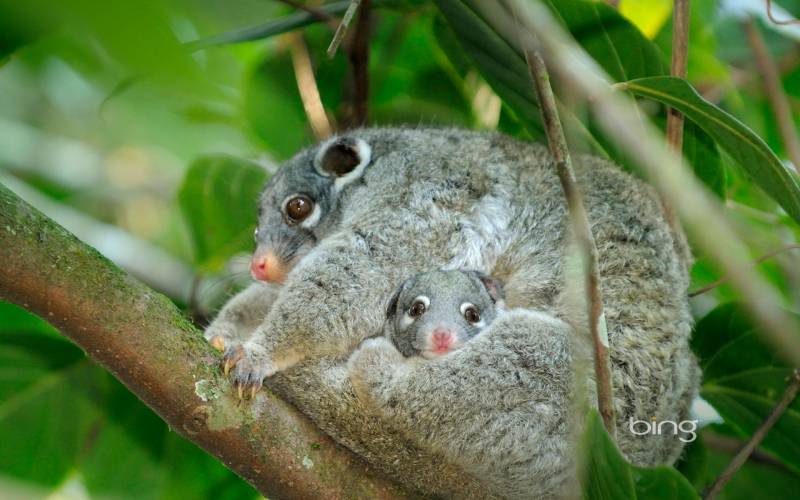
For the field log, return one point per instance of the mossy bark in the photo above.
(144, 341)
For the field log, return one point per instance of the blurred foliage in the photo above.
(147, 116)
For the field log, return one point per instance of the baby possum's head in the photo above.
(300, 204)
(436, 312)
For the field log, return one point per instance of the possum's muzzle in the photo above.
(268, 266)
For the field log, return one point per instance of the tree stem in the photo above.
(725, 279)
(359, 62)
(773, 88)
(583, 232)
(680, 58)
(788, 396)
(338, 37)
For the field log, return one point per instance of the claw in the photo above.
(231, 359)
(240, 390)
(229, 364)
(217, 343)
(253, 390)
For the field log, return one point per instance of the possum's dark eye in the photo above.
(417, 309)
(472, 315)
(298, 208)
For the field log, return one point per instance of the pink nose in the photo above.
(268, 267)
(258, 267)
(443, 339)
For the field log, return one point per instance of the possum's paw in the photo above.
(248, 365)
(221, 335)
(371, 366)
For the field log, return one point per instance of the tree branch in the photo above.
(773, 87)
(143, 340)
(779, 21)
(680, 59)
(307, 87)
(581, 228)
(725, 279)
(777, 412)
(319, 14)
(342, 29)
(359, 62)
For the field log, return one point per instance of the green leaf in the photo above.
(272, 106)
(612, 40)
(503, 68)
(608, 476)
(741, 143)
(701, 152)
(608, 37)
(62, 414)
(754, 481)
(743, 379)
(217, 198)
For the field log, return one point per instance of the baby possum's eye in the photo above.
(470, 313)
(417, 309)
(255, 234)
(297, 208)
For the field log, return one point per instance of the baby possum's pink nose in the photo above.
(443, 340)
(267, 267)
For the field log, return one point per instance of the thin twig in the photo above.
(773, 87)
(680, 58)
(777, 412)
(731, 445)
(582, 230)
(307, 86)
(358, 54)
(342, 29)
(777, 21)
(725, 279)
(267, 29)
(615, 114)
(316, 12)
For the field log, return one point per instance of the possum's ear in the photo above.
(344, 159)
(391, 309)
(493, 286)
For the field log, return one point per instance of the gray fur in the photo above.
(459, 199)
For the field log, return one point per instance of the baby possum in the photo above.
(436, 312)
(489, 434)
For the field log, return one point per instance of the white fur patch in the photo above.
(312, 219)
(485, 234)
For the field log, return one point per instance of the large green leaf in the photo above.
(62, 414)
(613, 41)
(743, 379)
(608, 476)
(741, 143)
(608, 37)
(218, 199)
(499, 63)
(702, 154)
(272, 106)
